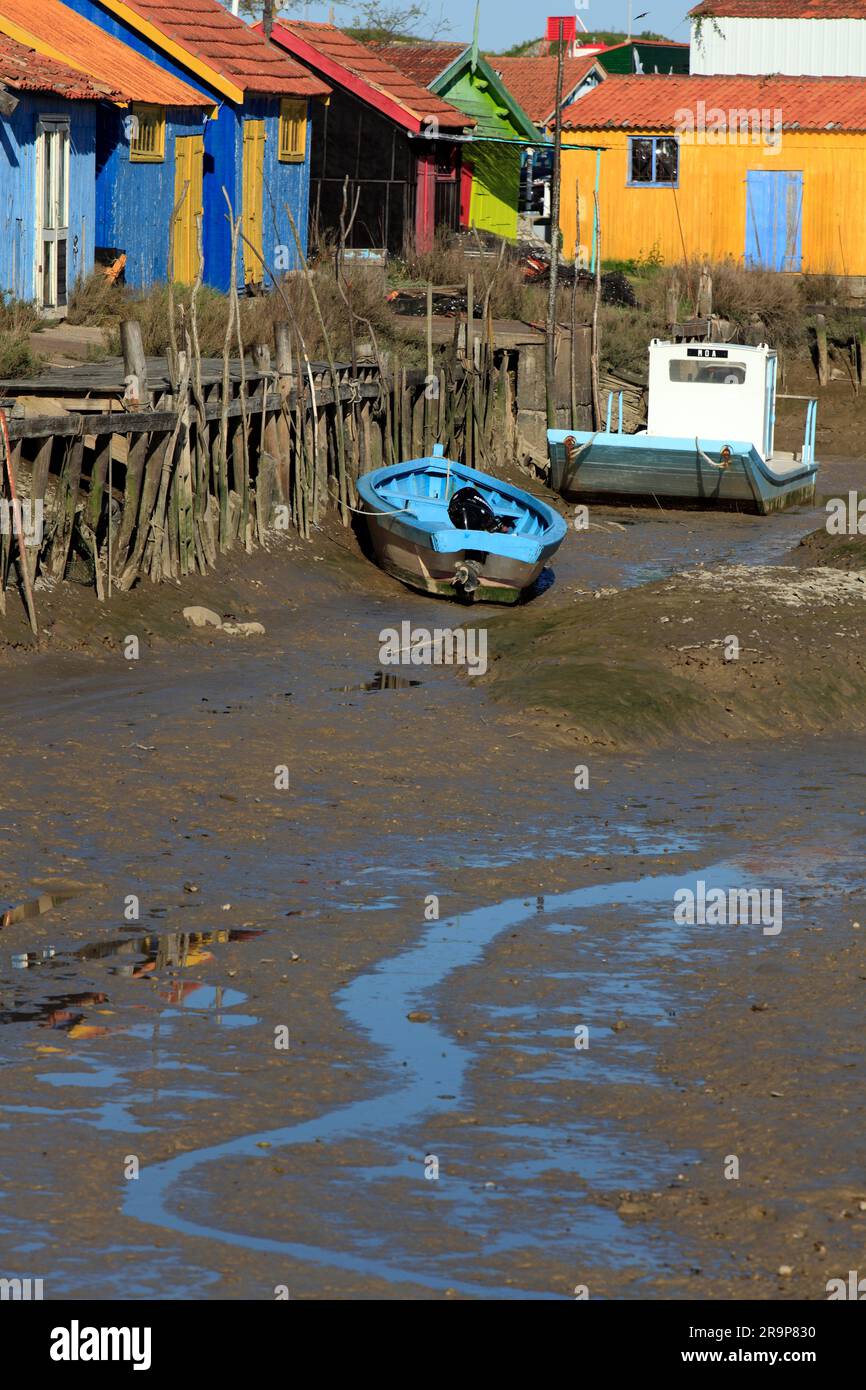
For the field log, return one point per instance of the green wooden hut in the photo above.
(490, 170)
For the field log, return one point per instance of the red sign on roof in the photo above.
(569, 28)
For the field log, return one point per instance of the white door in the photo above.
(52, 211)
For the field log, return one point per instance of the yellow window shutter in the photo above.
(293, 132)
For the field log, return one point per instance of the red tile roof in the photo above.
(783, 9)
(656, 102)
(60, 33)
(28, 71)
(532, 81)
(342, 59)
(421, 61)
(229, 46)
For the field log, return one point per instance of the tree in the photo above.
(373, 21)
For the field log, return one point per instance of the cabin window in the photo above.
(708, 373)
(293, 131)
(147, 141)
(654, 161)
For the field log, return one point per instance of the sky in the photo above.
(506, 22)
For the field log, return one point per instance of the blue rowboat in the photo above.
(708, 441)
(449, 530)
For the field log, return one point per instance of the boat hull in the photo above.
(632, 468)
(414, 538)
(499, 580)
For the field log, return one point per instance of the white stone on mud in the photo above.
(197, 616)
(244, 629)
(202, 617)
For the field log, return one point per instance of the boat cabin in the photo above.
(723, 391)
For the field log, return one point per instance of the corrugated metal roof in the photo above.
(783, 9)
(25, 70)
(658, 101)
(60, 33)
(228, 45)
(340, 53)
(532, 81)
(421, 61)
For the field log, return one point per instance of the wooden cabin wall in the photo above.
(135, 201)
(18, 191)
(223, 160)
(350, 140)
(706, 215)
(284, 185)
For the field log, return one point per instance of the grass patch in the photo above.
(18, 320)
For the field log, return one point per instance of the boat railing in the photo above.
(610, 396)
(808, 454)
(809, 433)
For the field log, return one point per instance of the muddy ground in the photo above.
(252, 1085)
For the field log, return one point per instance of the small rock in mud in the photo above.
(243, 629)
(418, 1016)
(197, 616)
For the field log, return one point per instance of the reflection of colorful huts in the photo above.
(769, 171)
(490, 169)
(383, 132)
(256, 144)
(96, 181)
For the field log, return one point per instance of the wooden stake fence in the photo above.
(163, 467)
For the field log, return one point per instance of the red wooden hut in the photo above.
(396, 143)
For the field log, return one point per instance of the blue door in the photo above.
(774, 219)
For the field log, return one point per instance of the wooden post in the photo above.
(596, 394)
(672, 300)
(821, 341)
(67, 501)
(428, 385)
(550, 346)
(704, 305)
(134, 364)
(283, 346)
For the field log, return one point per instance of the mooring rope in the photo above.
(571, 457)
(706, 458)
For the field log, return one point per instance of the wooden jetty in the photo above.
(145, 468)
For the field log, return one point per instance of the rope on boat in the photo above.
(398, 511)
(572, 457)
(706, 458)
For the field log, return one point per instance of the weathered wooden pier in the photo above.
(145, 469)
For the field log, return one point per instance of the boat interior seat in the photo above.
(433, 511)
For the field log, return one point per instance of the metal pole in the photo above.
(550, 354)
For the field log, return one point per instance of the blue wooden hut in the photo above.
(47, 169)
(257, 145)
(141, 138)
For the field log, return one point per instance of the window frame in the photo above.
(140, 109)
(297, 122)
(653, 182)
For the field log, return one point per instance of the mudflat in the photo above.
(318, 980)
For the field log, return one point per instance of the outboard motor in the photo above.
(468, 511)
